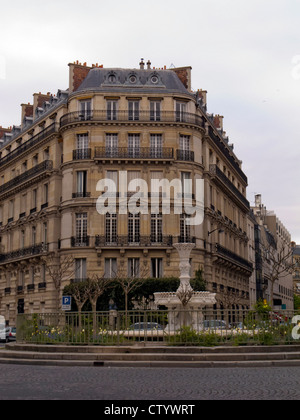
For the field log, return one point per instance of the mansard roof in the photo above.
(133, 81)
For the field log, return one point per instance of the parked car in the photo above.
(2, 329)
(215, 324)
(11, 333)
(146, 326)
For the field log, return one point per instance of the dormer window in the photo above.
(133, 78)
(112, 78)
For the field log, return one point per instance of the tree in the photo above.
(79, 291)
(281, 265)
(96, 286)
(59, 269)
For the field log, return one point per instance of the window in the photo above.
(156, 145)
(111, 145)
(81, 184)
(35, 160)
(33, 235)
(185, 230)
(111, 228)
(82, 146)
(46, 192)
(32, 275)
(46, 154)
(23, 204)
(80, 269)
(156, 228)
(156, 268)
(113, 176)
(21, 282)
(186, 184)
(22, 239)
(11, 210)
(45, 233)
(154, 111)
(85, 110)
(180, 111)
(112, 107)
(184, 143)
(110, 269)
(133, 267)
(81, 229)
(134, 145)
(133, 228)
(133, 110)
(184, 146)
(34, 199)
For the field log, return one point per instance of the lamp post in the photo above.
(212, 231)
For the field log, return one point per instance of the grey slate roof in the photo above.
(133, 81)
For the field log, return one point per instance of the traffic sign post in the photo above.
(66, 303)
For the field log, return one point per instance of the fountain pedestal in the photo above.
(185, 305)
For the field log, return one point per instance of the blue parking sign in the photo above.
(66, 303)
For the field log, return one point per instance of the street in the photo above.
(19, 382)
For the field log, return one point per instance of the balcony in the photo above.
(226, 184)
(28, 252)
(37, 170)
(103, 116)
(82, 154)
(119, 241)
(229, 258)
(78, 242)
(138, 153)
(81, 195)
(185, 155)
(52, 129)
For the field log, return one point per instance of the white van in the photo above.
(2, 328)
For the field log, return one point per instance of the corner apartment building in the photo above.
(271, 240)
(149, 123)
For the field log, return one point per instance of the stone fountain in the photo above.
(185, 305)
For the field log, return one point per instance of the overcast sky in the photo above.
(245, 54)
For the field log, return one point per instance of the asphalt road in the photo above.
(19, 382)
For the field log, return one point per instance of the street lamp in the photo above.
(220, 231)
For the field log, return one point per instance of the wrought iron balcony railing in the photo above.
(133, 153)
(82, 154)
(82, 194)
(229, 255)
(139, 116)
(186, 155)
(136, 240)
(53, 128)
(216, 171)
(33, 250)
(80, 241)
(47, 165)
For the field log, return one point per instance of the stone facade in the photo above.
(146, 122)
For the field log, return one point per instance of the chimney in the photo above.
(184, 74)
(148, 65)
(77, 74)
(4, 130)
(258, 200)
(39, 99)
(218, 121)
(142, 64)
(26, 111)
(203, 95)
